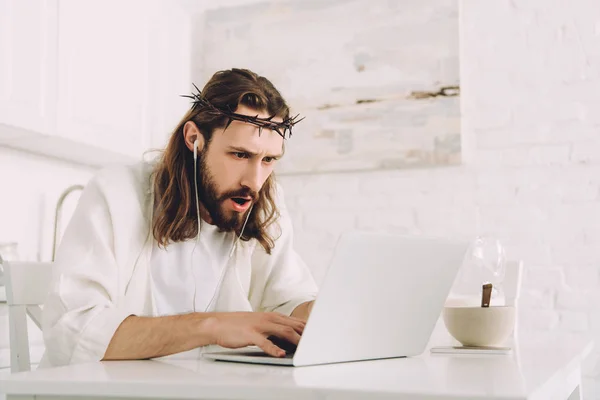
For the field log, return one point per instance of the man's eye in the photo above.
(240, 155)
(269, 160)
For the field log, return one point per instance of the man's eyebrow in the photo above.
(243, 150)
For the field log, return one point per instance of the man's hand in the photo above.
(149, 337)
(303, 310)
(240, 329)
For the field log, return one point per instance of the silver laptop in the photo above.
(381, 298)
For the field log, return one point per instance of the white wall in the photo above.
(531, 126)
(530, 85)
(29, 188)
(31, 185)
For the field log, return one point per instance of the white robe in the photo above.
(102, 268)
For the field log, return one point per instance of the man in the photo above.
(191, 251)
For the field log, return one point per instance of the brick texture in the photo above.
(531, 173)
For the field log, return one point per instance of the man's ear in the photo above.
(190, 134)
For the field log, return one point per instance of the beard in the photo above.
(214, 203)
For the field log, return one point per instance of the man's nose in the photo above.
(252, 178)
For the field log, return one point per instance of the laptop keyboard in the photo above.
(262, 354)
(283, 344)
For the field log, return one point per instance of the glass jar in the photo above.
(484, 263)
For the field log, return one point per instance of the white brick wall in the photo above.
(531, 142)
(531, 126)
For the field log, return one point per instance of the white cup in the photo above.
(480, 326)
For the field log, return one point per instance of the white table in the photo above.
(543, 368)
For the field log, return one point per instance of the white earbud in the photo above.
(241, 232)
(220, 282)
(198, 216)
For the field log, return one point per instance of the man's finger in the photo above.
(286, 332)
(296, 324)
(280, 316)
(268, 347)
(297, 319)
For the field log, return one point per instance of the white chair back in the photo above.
(27, 285)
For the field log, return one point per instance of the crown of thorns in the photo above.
(282, 128)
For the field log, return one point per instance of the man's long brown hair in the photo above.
(174, 217)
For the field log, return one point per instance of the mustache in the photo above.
(243, 192)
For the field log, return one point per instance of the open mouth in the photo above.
(240, 200)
